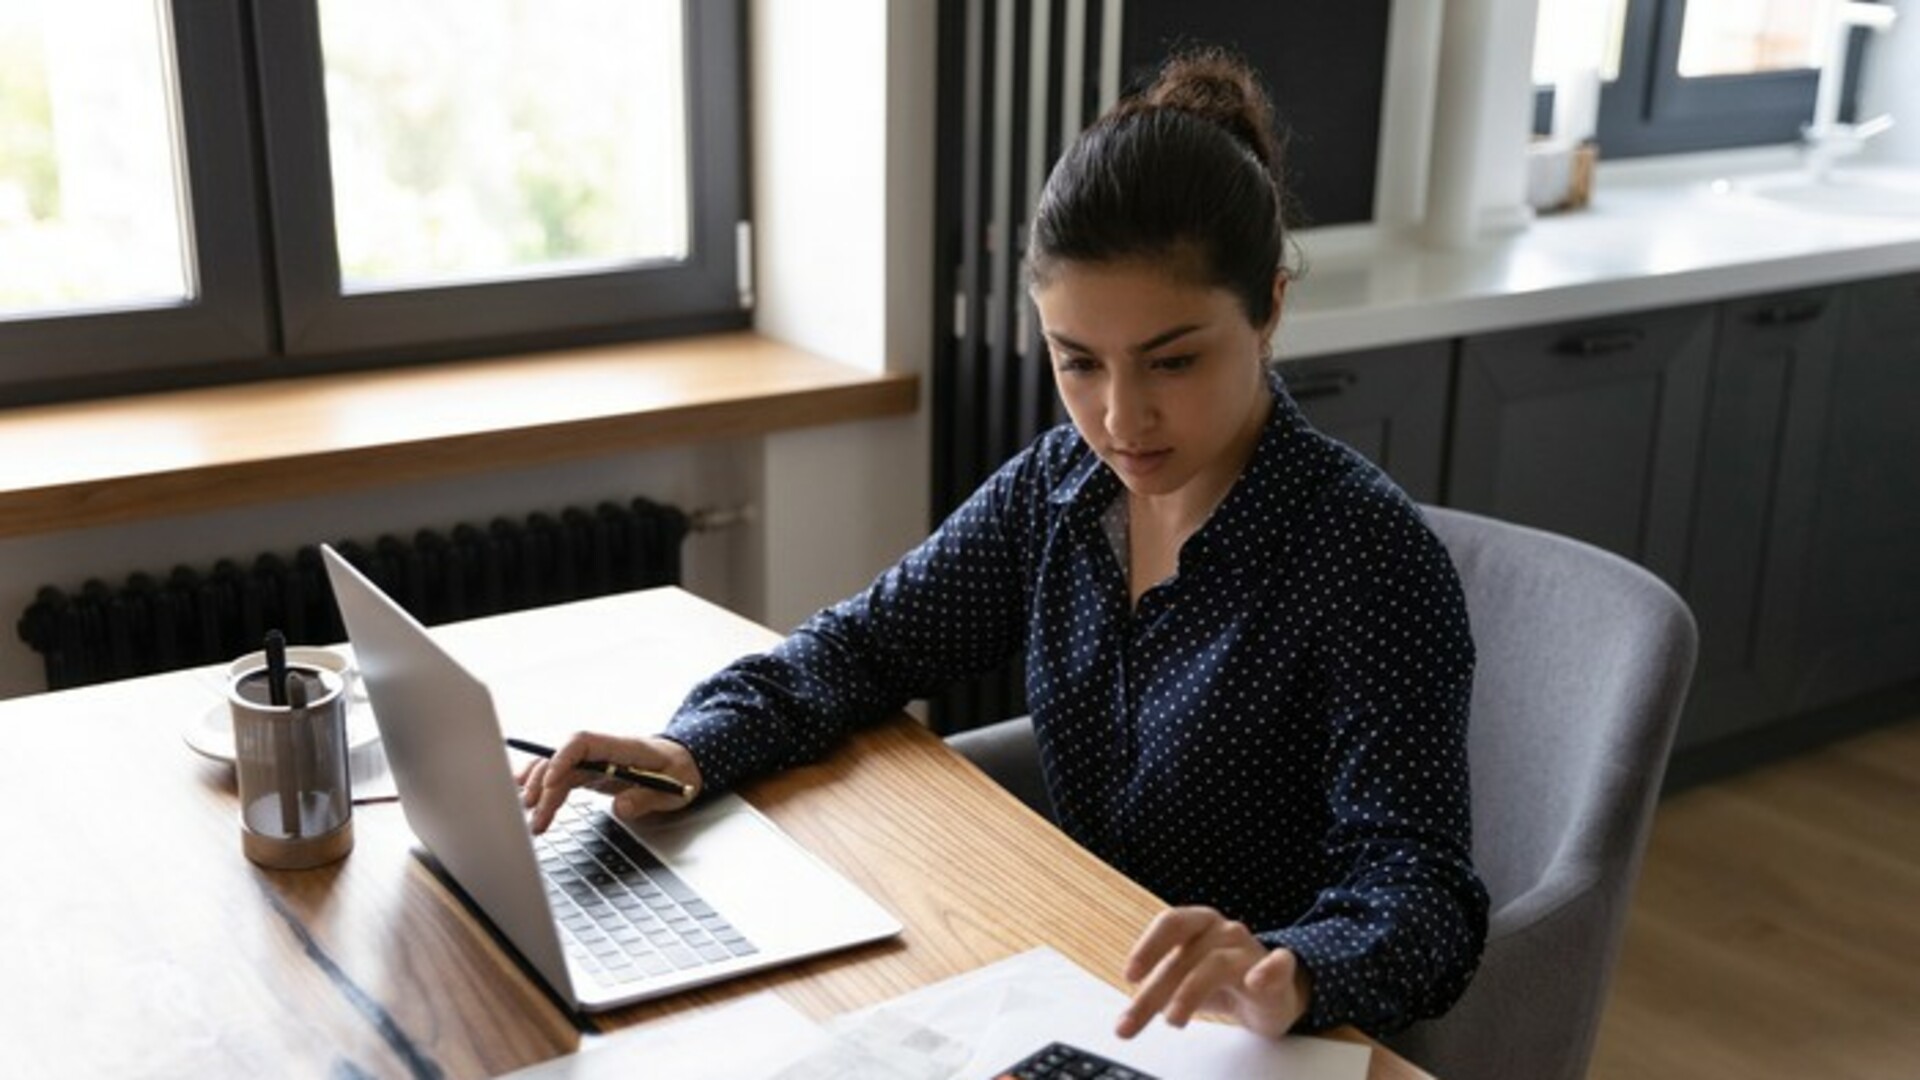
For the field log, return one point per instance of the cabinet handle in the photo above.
(1321, 384)
(1601, 343)
(1788, 312)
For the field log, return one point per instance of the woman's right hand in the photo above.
(545, 784)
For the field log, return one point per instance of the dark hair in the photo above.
(1188, 170)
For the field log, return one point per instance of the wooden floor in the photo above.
(1776, 930)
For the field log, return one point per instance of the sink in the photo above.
(1863, 191)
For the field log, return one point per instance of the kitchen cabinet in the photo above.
(1389, 404)
(1591, 430)
(1767, 412)
(1858, 626)
(1762, 455)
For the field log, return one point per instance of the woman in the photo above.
(1247, 658)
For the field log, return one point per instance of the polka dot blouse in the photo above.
(1277, 731)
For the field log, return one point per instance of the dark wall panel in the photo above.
(1325, 64)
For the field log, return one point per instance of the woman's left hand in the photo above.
(1194, 959)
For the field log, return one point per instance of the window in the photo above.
(1576, 34)
(123, 155)
(199, 187)
(1691, 74)
(90, 222)
(510, 146)
(1745, 37)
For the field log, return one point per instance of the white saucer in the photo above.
(212, 733)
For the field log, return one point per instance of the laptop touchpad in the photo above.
(773, 890)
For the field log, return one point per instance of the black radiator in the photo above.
(191, 617)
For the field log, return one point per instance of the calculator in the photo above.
(1059, 1061)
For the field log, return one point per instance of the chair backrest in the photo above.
(1582, 666)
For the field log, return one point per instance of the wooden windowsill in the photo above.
(127, 459)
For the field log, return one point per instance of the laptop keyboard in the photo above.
(623, 915)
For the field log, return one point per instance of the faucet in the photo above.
(1827, 139)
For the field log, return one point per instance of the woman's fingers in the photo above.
(546, 784)
(530, 778)
(1277, 970)
(1276, 994)
(1209, 985)
(1168, 930)
(1193, 960)
(638, 802)
(1186, 959)
(555, 778)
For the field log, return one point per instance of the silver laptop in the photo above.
(607, 913)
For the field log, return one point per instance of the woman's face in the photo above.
(1163, 377)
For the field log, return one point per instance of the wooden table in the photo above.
(138, 941)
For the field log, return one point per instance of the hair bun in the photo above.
(1221, 88)
(1186, 173)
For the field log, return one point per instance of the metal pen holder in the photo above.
(296, 803)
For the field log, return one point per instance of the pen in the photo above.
(644, 778)
(276, 650)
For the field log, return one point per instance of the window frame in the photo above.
(260, 235)
(318, 317)
(226, 319)
(1650, 108)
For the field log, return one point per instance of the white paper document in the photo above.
(970, 1027)
(1005, 1011)
(750, 1039)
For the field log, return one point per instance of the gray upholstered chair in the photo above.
(1583, 664)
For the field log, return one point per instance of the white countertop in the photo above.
(1658, 233)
